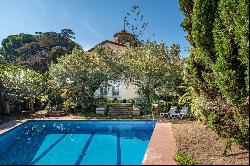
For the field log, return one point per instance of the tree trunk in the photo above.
(7, 108)
(1, 104)
(31, 106)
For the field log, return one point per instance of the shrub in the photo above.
(102, 100)
(217, 69)
(140, 102)
(184, 100)
(213, 120)
(69, 105)
(163, 107)
(183, 159)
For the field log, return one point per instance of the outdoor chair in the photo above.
(163, 113)
(183, 113)
(172, 112)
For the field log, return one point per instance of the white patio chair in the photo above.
(163, 113)
(172, 112)
(183, 113)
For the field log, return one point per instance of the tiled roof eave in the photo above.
(106, 41)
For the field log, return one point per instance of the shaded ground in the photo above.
(205, 146)
(41, 114)
(5, 119)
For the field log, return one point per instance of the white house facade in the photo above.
(118, 89)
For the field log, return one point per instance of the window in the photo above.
(103, 91)
(115, 91)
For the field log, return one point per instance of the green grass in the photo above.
(183, 159)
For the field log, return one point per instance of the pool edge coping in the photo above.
(15, 123)
(151, 157)
(162, 146)
(10, 125)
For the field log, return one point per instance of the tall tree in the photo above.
(82, 73)
(217, 69)
(231, 44)
(134, 21)
(11, 44)
(39, 50)
(22, 84)
(154, 68)
(186, 6)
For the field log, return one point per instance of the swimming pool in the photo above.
(76, 142)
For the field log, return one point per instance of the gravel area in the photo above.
(205, 146)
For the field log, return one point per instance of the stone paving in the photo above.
(9, 125)
(162, 146)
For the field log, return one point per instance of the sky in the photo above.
(93, 21)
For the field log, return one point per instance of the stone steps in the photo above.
(121, 110)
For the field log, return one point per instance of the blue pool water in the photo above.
(76, 142)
